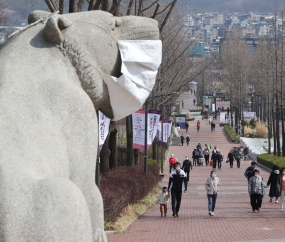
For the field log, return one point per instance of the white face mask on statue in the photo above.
(140, 62)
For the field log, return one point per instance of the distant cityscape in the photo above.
(208, 30)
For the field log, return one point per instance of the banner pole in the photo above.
(162, 114)
(145, 137)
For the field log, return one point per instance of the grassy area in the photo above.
(131, 212)
(231, 133)
(269, 160)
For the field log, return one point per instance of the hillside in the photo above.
(234, 6)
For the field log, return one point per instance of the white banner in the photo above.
(153, 120)
(213, 108)
(138, 129)
(159, 131)
(104, 123)
(222, 117)
(166, 131)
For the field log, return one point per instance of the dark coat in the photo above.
(187, 139)
(214, 157)
(219, 157)
(182, 139)
(187, 164)
(272, 181)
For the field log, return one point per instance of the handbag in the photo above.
(227, 161)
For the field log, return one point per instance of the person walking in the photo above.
(208, 147)
(238, 156)
(245, 153)
(210, 119)
(194, 157)
(177, 183)
(231, 158)
(213, 126)
(249, 171)
(214, 158)
(212, 186)
(255, 190)
(281, 187)
(219, 159)
(171, 162)
(182, 139)
(272, 181)
(182, 104)
(198, 126)
(228, 110)
(162, 199)
(186, 126)
(186, 166)
(194, 100)
(187, 140)
(206, 155)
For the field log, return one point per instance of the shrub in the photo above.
(245, 123)
(232, 135)
(252, 123)
(126, 185)
(249, 132)
(261, 130)
(269, 160)
(205, 112)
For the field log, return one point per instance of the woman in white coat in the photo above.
(212, 187)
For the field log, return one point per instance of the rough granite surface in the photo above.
(49, 132)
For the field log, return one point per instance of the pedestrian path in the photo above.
(233, 219)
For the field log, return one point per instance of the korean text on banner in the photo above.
(138, 129)
(222, 117)
(104, 123)
(166, 131)
(153, 119)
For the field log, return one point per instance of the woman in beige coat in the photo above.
(212, 187)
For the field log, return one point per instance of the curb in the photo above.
(228, 138)
(264, 167)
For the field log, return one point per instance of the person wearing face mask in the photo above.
(162, 199)
(212, 186)
(256, 190)
(281, 187)
(272, 181)
(187, 164)
(177, 183)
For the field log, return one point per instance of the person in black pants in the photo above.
(255, 190)
(219, 159)
(186, 126)
(177, 183)
(182, 139)
(187, 140)
(194, 157)
(231, 158)
(187, 164)
(206, 155)
(214, 158)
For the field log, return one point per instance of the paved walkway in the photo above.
(233, 219)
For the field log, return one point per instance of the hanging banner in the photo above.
(159, 131)
(222, 117)
(138, 129)
(173, 108)
(104, 123)
(153, 119)
(166, 131)
(213, 108)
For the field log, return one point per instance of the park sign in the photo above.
(139, 127)
(180, 118)
(104, 123)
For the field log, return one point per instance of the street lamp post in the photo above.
(145, 127)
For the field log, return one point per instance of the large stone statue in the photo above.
(51, 78)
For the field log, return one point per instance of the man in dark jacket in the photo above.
(186, 126)
(177, 183)
(238, 156)
(219, 159)
(249, 171)
(214, 158)
(194, 157)
(187, 164)
(182, 139)
(231, 159)
(187, 140)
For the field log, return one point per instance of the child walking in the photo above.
(162, 199)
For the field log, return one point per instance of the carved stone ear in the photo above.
(36, 15)
(54, 29)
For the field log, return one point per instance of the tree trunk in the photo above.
(273, 124)
(277, 126)
(61, 6)
(231, 110)
(130, 7)
(136, 156)
(236, 120)
(113, 146)
(105, 5)
(72, 6)
(104, 157)
(129, 130)
(269, 128)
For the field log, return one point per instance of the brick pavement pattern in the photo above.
(233, 220)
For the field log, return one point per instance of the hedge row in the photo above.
(231, 133)
(126, 185)
(269, 160)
